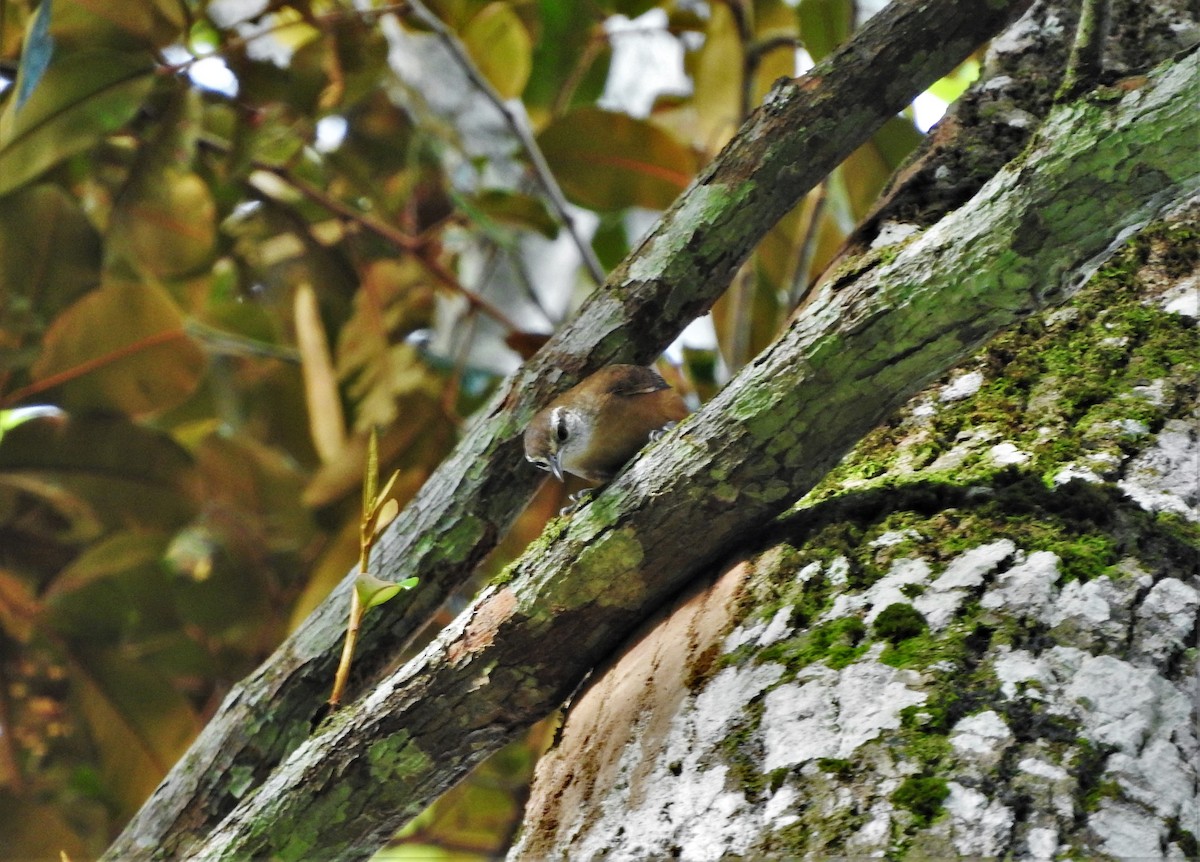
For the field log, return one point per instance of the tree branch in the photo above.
(802, 132)
(861, 350)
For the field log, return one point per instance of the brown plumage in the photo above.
(593, 429)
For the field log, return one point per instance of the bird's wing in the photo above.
(637, 381)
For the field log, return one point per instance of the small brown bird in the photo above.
(594, 428)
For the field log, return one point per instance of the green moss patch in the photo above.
(923, 796)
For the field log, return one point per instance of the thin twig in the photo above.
(801, 282)
(418, 246)
(591, 50)
(540, 168)
(1087, 52)
(316, 21)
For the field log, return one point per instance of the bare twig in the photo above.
(801, 282)
(519, 128)
(418, 246)
(318, 21)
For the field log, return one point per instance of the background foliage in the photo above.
(234, 237)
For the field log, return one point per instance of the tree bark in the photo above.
(1098, 171)
(679, 270)
(975, 639)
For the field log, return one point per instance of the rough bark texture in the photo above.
(1044, 701)
(977, 638)
(1099, 170)
(681, 268)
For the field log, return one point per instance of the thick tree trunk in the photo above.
(976, 638)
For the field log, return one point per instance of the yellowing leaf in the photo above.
(36, 831)
(381, 499)
(395, 299)
(867, 170)
(118, 22)
(387, 514)
(138, 723)
(19, 606)
(774, 19)
(718, 79)
(607, 161)
(80, 99)
(121, 347)
(325, 419)
(501, 48)
(167, 223)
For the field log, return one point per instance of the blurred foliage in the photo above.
(232, 242)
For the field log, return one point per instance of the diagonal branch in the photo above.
(1027, 240)
(803, 131)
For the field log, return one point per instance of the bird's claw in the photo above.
(575, 501)
(658, 433)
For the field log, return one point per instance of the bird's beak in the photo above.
(556, 468)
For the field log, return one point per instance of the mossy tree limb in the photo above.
(788, 146)
(1097, 172)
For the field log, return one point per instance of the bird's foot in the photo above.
(576, 501)
(658, 433)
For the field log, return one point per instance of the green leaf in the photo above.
(501, 48)
(166, 222)
(895, 139)
(121, 347)
(515, 209)
(118, 23)
(953, 85)
(116, 554)
(608, 161)
(49, 255)
(373, 591)
(81, 98)
(113, 593)
(825, 24)
(101, 467)
(566, 51)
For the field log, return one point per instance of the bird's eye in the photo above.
(560, 430)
